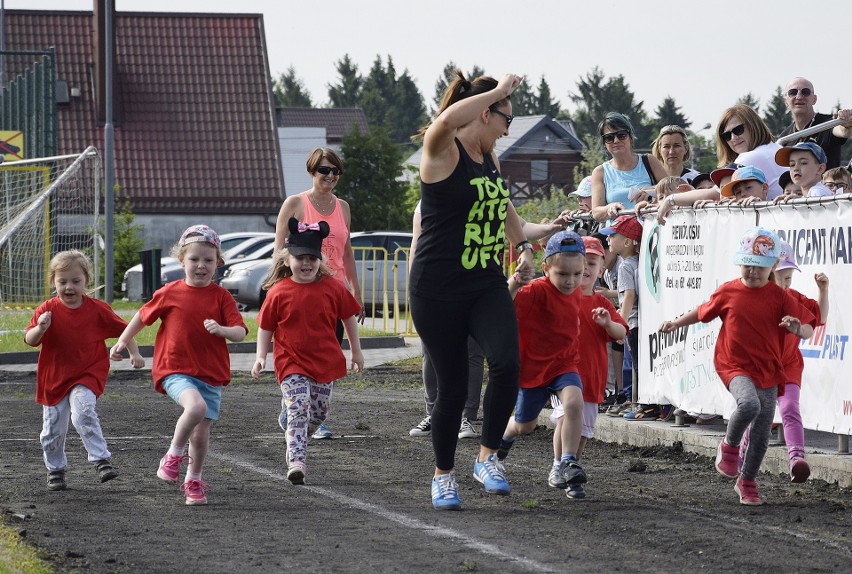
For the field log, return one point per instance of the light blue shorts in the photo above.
(177, 383)
(531, 401)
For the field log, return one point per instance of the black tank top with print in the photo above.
(463, 231)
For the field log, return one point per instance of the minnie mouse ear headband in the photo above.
(200, 234)
(306, 238)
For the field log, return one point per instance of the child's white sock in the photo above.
(176, 450)
(566, 456)
(192, 476)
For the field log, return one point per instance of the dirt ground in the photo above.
(366, 507)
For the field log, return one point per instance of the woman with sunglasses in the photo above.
(613, 180)
(743, 138)
(457, 286)
(672, 149)
(320, 204)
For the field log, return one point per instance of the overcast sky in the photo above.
(706, 54)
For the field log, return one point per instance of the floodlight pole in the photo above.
(109, 164)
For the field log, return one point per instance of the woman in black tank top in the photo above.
(457, 285)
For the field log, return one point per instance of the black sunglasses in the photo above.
(620, 134)
(325, 170)
(508, 117)
(793, 92)
(737, 131)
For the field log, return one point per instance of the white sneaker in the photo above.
(467, 430)
(423, 428)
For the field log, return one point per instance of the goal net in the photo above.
(49, 205)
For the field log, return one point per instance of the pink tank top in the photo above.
(333, 245)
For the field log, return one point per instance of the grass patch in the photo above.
(18, 558)
(530, 504)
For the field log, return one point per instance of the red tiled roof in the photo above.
(195, 130)
(336, 121)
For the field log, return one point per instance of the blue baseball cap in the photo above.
(745, 173)
(564, 242)
(782, 156)
(759, 247)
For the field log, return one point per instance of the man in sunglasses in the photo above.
(799, 96)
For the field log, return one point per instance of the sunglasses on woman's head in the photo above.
(325, 170)
(793, 92)
(737, 131)
(620, 134)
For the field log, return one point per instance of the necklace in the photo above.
(323, 209)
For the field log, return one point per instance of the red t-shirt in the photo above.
(303, 318)
(183, 345)
(750, 341)
(549, 326)
(73, 349)
(793, 362)
(593, 342)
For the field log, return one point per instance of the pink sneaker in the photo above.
(747, 489)
(726, 459)
(169, 469)
(194, 491)
(799, 469)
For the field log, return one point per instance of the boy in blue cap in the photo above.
(807, 163)
(549, 328)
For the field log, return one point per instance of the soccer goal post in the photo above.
(49, 205)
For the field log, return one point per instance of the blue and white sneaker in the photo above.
(322, 432)
(445, 492)
(492, 475)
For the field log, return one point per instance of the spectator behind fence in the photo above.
(747, 186)
(755, 312)
(613, 179)
(625, 235)
(807, 164)
(794, 365)
(702, 181)
(800, 98)
(791, 189)
(837, 180)
(672, 148)
(743, 138)
(583, 225)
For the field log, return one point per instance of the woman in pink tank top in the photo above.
(320, 204)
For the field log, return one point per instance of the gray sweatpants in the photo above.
(755, 407)
(78, 406)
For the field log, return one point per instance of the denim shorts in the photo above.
(177, 383)
(531, 401)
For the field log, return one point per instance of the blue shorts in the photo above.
(531, 401)
(177, 383)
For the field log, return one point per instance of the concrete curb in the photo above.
(389, 342)
(832, 467)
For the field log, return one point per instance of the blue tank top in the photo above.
(618, 183)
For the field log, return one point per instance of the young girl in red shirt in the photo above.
(73, 365)
(191, 359)
(756, 315)
(301, 310)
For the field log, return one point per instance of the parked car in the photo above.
(377, 254)
(235, 247)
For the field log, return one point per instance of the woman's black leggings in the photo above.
(489, 317)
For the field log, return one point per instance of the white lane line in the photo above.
(407, 521)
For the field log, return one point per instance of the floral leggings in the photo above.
(303, 407)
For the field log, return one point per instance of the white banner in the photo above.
(685, 260)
